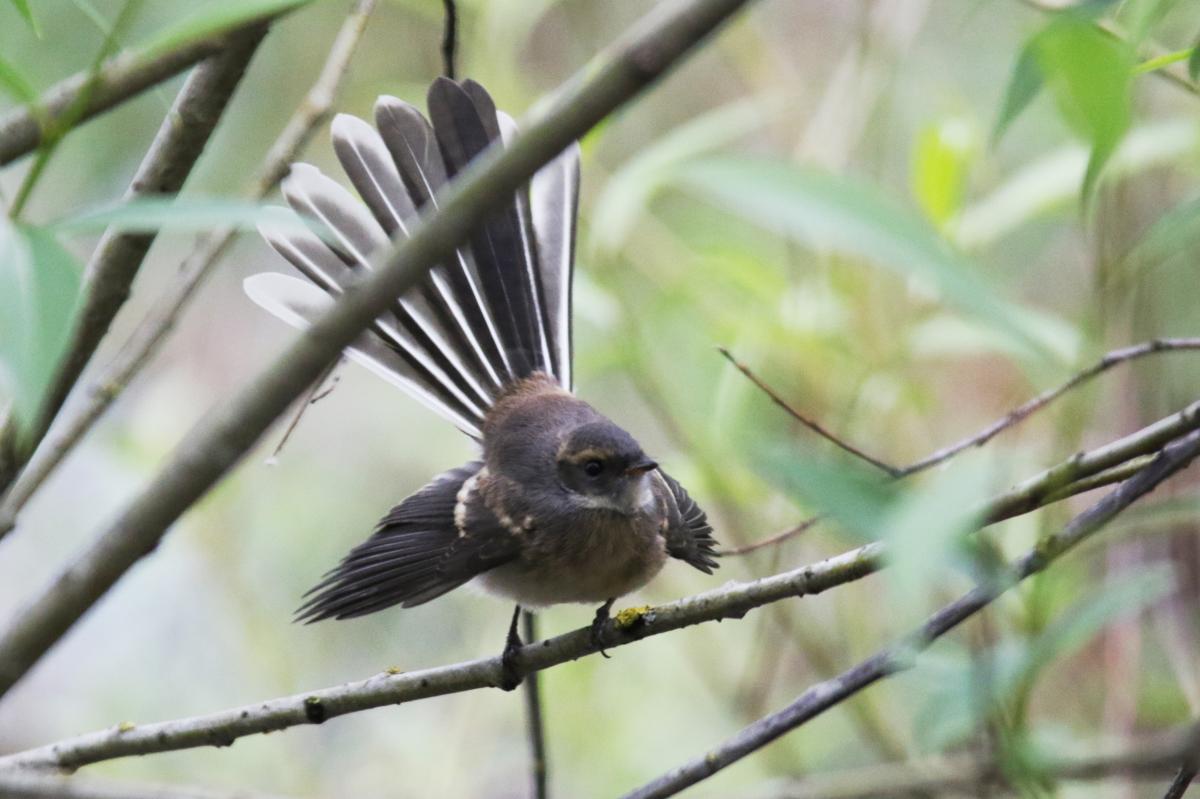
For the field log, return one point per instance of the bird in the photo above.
(562, 505)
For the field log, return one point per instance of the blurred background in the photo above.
(739, 203)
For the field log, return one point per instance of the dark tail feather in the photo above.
(498, 311)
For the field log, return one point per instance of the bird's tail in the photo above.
(498, 311)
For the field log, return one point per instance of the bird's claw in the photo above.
(596, 634)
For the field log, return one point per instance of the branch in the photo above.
(811, 424)
(1012, 418)
(449, 38)
(1149, 758)
(1183, 777)
(223, 728)
(539, 761)
(148, 338)
(231, 428)
(733, 600)
(115, 263)
(901, 655)
(120, 78)
(27, 785)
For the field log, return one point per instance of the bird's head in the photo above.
(605, 467)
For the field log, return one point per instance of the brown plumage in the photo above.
(564, 506)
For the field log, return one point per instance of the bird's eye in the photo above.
(593, 468)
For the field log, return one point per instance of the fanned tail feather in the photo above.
(497, 312)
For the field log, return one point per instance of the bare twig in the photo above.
(778, 538)
(115, 263)
(1013, 417)
(123, 77)
(1183, 778)
(449, 38)
(231, 428)
(901, 655)
(808, 422)
(535, 722)
(1148, 758)
(315, 394)
(32, 785)
(1024, 411)
(733, 600)
(148, 338)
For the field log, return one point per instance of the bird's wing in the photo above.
(689, 535)
(429, 544)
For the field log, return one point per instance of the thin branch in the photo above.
(118, 257)
(1013, 417)
(149, 337)
(808, 422)
(1183, 778)
(778, 538)
(123, 77)
(902, 655)
(1148, 758)
(733, 600)
(32, 785)
(231, 428)
(1024, 411)
(535, 723)
(730, 601)
(449, 38)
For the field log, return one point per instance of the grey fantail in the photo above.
(563, 505)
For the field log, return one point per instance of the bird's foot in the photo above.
(510, 671)
(598, 625)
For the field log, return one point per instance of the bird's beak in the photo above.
(641, 467)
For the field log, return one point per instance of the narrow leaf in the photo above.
(26, 13)
(39, 283)
(1091, 77)
(1023, 86)
(151, 214)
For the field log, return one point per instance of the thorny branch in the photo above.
(1012, 418)
(901, 655)
(149, 337)
(230, 429)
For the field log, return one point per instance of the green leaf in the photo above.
(1090, 75)
(1127, 596)
(857, 498)
(215, 18)
(39, 284)
(845, 216)
(26, 13)
(926, 530)
(1193, 66)
(940, 164)
(13, 83)
(1023, 86)
(1050, 182)
(151, 214)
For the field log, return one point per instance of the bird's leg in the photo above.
(510, 676)
(598, 623)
